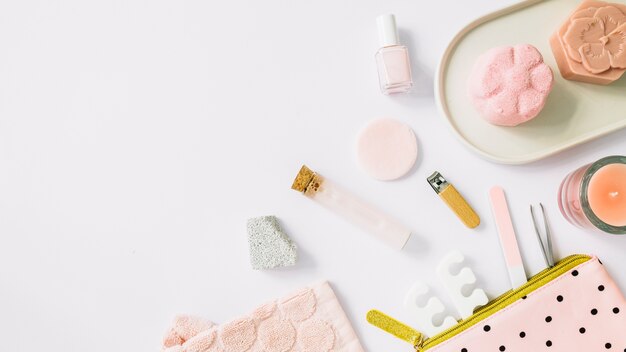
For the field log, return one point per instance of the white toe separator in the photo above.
(454, 285)
(424, 316)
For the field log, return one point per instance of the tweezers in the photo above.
(546, 246)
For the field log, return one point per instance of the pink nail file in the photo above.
(508, 240)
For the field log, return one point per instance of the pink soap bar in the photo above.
(510, 85)
(590, 46)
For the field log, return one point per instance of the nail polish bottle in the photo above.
(392, 59)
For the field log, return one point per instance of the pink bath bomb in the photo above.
(510, 85)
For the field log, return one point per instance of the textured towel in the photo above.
(309, 320)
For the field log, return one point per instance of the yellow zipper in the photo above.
(492, 307)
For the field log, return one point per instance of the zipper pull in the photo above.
(396, 328)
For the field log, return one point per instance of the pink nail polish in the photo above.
(394, 67)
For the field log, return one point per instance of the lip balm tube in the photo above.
(351, 208)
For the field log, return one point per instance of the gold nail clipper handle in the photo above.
(454, 200)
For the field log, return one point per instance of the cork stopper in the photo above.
(304, 178)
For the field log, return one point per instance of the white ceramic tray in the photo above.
(574, 113)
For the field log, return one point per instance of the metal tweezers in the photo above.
(546, 246)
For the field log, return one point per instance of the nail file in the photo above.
(394, 327)
(465, 304)
(508, 241)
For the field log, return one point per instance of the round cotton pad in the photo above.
(386, 149)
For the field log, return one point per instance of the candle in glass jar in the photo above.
(607, 194)
(594, 196)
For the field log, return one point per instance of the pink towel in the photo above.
(309, 320)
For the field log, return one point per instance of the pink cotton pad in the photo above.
(386, 149)
(510, 85)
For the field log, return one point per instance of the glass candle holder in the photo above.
(594, 196)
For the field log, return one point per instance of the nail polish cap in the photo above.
(387, 30)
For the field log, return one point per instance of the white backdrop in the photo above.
(137, 136)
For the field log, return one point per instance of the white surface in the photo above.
(136, 138)
(574, 113)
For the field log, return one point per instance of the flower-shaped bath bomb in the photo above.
(510, 85)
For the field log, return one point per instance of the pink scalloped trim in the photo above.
(201, 342)
(300, 306)
(296, 327)
(264, 311)
(238, 335)
(277, 335)
(316, 336)
(184, 328)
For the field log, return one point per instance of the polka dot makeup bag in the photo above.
(573, 306)
(309, 320)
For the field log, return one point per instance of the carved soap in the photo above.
(591, 45)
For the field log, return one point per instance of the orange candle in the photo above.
(594, 196)
(607, 194)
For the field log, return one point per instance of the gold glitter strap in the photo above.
(395, 328)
